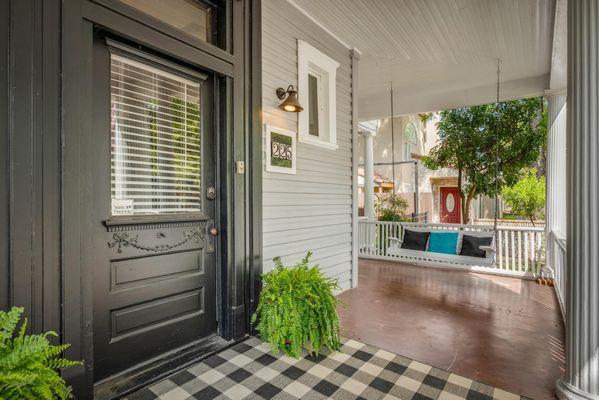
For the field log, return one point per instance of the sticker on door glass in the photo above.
(449, 202)
(122, 206)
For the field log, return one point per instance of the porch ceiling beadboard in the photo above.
(441, 54)
(312, 209)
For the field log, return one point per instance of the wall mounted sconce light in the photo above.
(290, 102)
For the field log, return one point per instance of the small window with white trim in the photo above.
(317, 75)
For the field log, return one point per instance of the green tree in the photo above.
(526, 198)
(488, 145)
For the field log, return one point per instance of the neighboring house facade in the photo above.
(414, 137)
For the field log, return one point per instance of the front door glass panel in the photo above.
(155, 140)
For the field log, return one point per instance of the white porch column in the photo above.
(355, 64)
(556, 203)
(582, 294)
(555, 214)
(369, 174)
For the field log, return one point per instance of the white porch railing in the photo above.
(556, 259)
(520, 251)
(509, 222)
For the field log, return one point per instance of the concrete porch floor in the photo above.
(505, 332)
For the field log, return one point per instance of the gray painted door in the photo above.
(150, 241)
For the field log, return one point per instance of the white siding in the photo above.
(311, 210)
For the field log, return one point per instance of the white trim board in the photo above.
(321, 26)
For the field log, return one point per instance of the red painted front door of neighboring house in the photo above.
(450, 209)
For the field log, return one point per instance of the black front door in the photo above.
(151, 233)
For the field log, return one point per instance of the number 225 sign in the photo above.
(280, 150)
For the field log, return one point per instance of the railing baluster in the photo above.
(535, 259)
(539, 256)
(368, 235)
(526, 243)
(533, 249)
(499, 255)
(381, 239)
(513, 248)
(519, 250)
(506, 240)
(377, 239)
(385, 239)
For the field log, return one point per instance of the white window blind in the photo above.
(155, 140)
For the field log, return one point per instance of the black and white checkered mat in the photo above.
(249, 370)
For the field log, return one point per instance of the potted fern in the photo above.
(29, 364)
(297, 309)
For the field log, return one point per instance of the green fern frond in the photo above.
(29, 364)
(297, 309)
(8, 324)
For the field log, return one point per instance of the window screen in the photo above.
(155, 140)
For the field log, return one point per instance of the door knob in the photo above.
(213, 231)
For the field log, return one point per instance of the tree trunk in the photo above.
(466, 210)
(462, 196)
(466, 205)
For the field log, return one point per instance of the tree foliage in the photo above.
(489, 145)
(391, 207)
(297, 309)
(526, 198)
(29, 364)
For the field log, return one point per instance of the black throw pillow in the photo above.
(413, 240)
(471, 246)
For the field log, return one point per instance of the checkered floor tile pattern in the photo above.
(249, 370)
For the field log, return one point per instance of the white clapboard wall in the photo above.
(312, 209)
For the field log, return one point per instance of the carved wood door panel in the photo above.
(151, 242)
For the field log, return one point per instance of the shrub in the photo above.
(390, 207)
(29, 364)
(297, 309)
(527, 197)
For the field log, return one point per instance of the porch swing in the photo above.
(480, 240)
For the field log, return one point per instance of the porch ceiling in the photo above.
(441, 54)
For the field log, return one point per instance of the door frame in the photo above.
(239, 112)
(441, 200)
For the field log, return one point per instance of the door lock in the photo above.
(211, 193)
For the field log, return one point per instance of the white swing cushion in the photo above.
(417, 256)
